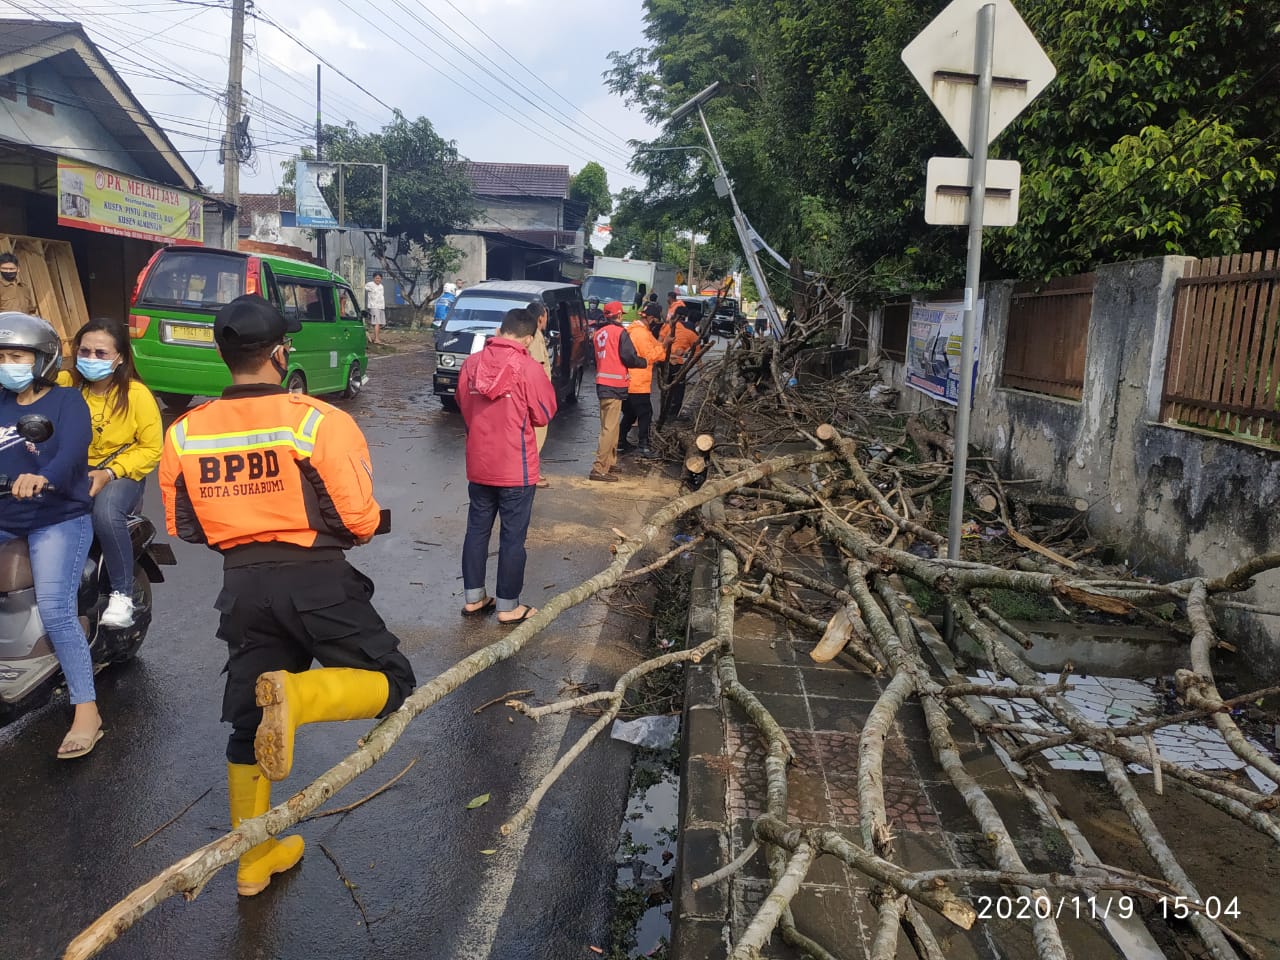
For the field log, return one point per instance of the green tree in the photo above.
(428, 197)
(590, 185)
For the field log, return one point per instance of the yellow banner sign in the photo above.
(104, 201)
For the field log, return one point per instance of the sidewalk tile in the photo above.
(839, 683)
(762, 678)
(831, 713)
(791, 712)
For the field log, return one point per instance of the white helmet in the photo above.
(35, 334)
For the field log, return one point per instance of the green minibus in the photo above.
(180, 290)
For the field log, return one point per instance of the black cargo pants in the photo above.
(282, 616)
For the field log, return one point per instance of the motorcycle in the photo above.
(29, 670)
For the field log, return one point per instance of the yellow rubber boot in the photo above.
(289, 700)
(250, 795)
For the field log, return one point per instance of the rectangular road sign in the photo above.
(947, 190)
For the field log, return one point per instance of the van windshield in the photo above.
(479, 313)
(605, 289)
(196, 279)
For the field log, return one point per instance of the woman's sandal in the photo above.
(529, 612)
(83, 746)
(486, 607)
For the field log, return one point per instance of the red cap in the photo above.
(612, 309)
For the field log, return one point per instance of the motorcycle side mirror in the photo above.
(35, 427)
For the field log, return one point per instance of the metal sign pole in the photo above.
(977, 205)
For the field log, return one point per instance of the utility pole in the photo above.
(693, 243)
(230, 154)
(321, 252)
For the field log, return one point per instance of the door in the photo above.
(350, 334)
(316, 346)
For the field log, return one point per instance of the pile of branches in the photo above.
(868, 503)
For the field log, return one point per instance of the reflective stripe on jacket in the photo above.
(261, 465)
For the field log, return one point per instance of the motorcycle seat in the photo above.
(15, 566)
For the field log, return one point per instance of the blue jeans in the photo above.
(58, 553)
(512, 506)
(111, 508)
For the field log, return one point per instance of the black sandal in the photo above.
(484, 609)
(529, 613)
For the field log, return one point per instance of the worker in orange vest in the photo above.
(638, 407)
(616, 357)
(681, 332)
(280, 484)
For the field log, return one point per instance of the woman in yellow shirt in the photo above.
(124, 448)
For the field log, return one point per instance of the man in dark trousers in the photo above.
(504, 394)
(280, 484)
(615, 357)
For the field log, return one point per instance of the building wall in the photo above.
(73, 131)
(520, 213)
(1177, 501)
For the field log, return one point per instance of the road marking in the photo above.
(490, 903)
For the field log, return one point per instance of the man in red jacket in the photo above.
(503, 394)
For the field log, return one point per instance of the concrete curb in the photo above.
(700, 919)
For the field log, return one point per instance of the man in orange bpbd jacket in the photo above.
(637, 408)
(280, 484)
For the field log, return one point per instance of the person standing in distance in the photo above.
(15, 295)
(538, 350)
(503, 394)
(375, 301)
(616, 357)
(280, 484)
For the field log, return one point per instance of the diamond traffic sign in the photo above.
(948, 189)
(942, 56)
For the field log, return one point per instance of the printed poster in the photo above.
(309, 177)
(933, 349)
(104, 201)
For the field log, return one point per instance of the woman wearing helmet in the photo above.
(126, 437)
(50, 505)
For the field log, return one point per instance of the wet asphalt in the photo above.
(69, 842)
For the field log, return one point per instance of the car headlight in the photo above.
(448, 360)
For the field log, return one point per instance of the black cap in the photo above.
(251, 321)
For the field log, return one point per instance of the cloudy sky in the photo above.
(515, 81)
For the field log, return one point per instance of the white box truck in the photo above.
(628, 281)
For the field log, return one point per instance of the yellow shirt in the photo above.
(140, 425)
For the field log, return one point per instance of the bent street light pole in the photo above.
(977, 205)
(739, 221)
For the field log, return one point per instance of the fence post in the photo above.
(846, 321)
(875, 333)
(1174, 267)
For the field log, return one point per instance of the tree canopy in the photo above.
(1161, 133)
(590, 185)
(428, 196)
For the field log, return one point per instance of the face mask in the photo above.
(16, 376)
(95, 370)
(280, 368)
(9, 277)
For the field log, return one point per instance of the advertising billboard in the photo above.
(933, 349)
(310, 176)
(105, 201)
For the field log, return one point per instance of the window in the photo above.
(471, 313)
(304, 300)
(195, 280)
(347, 308)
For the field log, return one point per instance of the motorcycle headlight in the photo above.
(448, 360)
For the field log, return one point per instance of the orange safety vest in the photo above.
(683, 344)
(609, 369)
(267, 467)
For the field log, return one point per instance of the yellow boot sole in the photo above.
(273, 743)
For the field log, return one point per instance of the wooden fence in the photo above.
(1223, 371)
(1044, 348)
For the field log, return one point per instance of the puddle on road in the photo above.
(646, 859)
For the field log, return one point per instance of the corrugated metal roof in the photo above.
(519, 179)
(18, 35)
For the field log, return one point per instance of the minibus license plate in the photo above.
(201, 334)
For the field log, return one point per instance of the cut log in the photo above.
(695, 463)
(844, 624)
(927, 440)
(704, 442)
(982, 497)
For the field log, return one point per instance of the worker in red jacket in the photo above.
(503, 394)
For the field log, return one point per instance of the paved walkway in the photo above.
(822, 708)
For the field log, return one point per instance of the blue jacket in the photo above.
(63, 460)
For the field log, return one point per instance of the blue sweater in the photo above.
(63, 460)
